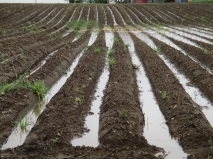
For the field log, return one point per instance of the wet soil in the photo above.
(198, 76)
(15, 104)
(184, 118)
(204, 56)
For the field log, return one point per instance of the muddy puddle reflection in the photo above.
(92, 120)
(19, 135)
(155, 131)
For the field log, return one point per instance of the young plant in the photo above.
(205, 51)
(4, 88)
(79, 100)
(97, 50)
(123, 114)
(164, 94)
(158, 49)
(39, 89)
(22, 122)
(112, 61)
(116, 41)
(134, 66)
(22, 56)
(25, 28)
(109, 54)
(77, 89)
(127, 45)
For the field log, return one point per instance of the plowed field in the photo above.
(106, 81)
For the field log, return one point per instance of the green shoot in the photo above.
(97, 50)
(112, 61)
(164, 94)
(80, 101)
(123, 114)
(116, 40)
(134, 66)
(109, 54)
(39, 88)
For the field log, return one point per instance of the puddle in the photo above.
(46, 16)
(54, 17)
(170, 43)
(88, 14)
(175, 15)
(135, 15)
(120, 16)
(42, 63)
(92, 121)
(203, 31)
(188, 35)
(189, 30)
(155, 131)
(18, 136)
(80, 14)
(129, 17)
(194, 92)
(105, 17)
(113, 17)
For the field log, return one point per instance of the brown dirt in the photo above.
(200, 77)
(184, 118)
(17, 103)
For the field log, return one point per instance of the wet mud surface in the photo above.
(32, 33)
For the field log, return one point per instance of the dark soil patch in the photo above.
(184, 118)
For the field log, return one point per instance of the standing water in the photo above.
(18, 136)
(92, 121)
(155, 131)
(193, 92)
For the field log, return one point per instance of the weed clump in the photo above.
(123, 114)
(37, 87)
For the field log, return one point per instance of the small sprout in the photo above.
(112, 61)
(97, 50)
(39, 88)
(77, 89)
(22, 122)
(158, 49)
(25, 28)
(116, 40)
(109, 54)
(80, 101)
(55, 140)
(22, 56)
(123, 114)
(206, 51)
(134, 66)
(164, 94)
(127, 45)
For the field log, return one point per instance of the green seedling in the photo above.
(116, 40)
(80, 101)
(164, 94)
(77, 89)
(22, 122)
(127, 45)
(109, 54)
(123, 114)
(112, 61)
(134, 66)
(206, 51)
(4, 88)
(22, 56)
(39, 89)
(25, 28)
(97, 50)
(158, 49)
